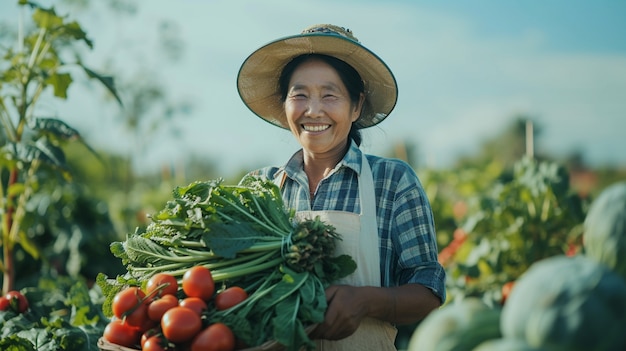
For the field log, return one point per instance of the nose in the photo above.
(314, 108)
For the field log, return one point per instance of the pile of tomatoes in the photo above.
(163, 316)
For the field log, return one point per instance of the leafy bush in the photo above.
(64, 314)
(525, 216)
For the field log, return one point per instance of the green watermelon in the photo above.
(604, 237)
(459, 326)
(505, 344)
(566, 303)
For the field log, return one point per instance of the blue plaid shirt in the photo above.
(408, 247)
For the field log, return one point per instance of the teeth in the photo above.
(316, 128)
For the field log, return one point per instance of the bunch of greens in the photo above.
(247, 237)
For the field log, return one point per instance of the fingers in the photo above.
(339, 319)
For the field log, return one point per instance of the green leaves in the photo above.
(16, 343)
(40, 151)
(107, 81)
(518, 220)
(227, 239)
(46, 18)
(60, 82)
(145, 252)
(62, 316)
(54, 128)
(284, 306)
(336, 267)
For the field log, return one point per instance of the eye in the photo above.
(299, 96)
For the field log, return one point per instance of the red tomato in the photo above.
(147, 324)
(147, 334)
(158, 307)
(194, 303)
(5, 304)
(161, 284)
(216, 337)
(180, 324)
(139, 317)
(230, 297)
(17, 301)
(130, 304)
(198, 282)
(120, 333)
(154, 343)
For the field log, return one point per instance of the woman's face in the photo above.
(318, 108)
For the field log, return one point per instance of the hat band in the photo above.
(330, 29)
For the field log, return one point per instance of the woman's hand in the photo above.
(346, 308)
(349, 305)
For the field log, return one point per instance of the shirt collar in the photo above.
(352, 159)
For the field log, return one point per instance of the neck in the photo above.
(318, 166)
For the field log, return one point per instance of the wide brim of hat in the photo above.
(257, 81)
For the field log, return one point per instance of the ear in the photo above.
(356, 112)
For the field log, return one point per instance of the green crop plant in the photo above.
(31, 145)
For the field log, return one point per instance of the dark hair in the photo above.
(348, 75)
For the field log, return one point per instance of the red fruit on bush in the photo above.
(17, 301)
(5, 304)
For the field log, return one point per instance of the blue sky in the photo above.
(465, 70)
(571, 26)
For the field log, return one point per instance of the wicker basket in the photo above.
(104, 345)
(271, 345)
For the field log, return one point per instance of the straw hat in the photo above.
(257, 81)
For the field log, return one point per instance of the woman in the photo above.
(324, 86)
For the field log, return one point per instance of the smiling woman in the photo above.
(325, 87)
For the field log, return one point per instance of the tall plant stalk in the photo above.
(32, 144)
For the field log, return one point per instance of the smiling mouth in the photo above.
(315, 128)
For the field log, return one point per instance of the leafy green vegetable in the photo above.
(245, 235)
(15, 343)
(63, 315)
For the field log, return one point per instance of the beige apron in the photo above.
(360, 240)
